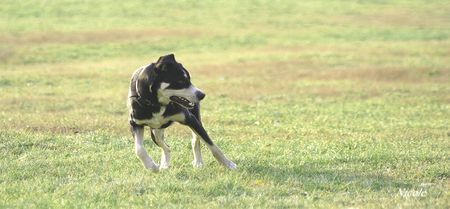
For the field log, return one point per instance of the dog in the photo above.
(162, 93)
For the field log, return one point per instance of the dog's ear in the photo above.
(167, 58)
(170, 58)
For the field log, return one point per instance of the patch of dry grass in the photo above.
(116, 35)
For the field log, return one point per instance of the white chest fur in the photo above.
(156, 121)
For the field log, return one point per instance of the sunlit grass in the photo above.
(321, 104)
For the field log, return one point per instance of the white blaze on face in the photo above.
(164, 85)
(164, 94)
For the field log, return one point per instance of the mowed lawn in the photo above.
(322, 104)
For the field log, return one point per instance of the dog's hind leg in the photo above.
(158, 137)
(196, 147)
(197, 127)
(138, 133)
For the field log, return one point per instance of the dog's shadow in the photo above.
(313, 176)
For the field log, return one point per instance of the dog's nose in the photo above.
(200, 95)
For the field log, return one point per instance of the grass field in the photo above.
(322, 104)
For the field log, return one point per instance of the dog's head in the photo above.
(172, 83)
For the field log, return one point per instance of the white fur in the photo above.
(158, 119)
(164, 94)
(165, 156)
(218, 154)
(196, 150)
(164, 85)
(146, 160)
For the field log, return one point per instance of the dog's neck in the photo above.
(141, 91)
(144, 102)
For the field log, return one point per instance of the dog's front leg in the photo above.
(138, 133)
(158, 135)
(196, 126)
(196, 149)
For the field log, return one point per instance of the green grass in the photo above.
(322, 104)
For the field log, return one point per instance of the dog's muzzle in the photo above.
(182, 101)
(200, 95)
(188, 100)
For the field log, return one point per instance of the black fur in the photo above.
(143, 97)
(160, 94)
(195, 124)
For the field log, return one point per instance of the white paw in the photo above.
(197, 164)
(231, 165)
(153, 167)
(164, 166)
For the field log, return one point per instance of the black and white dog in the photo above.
(160, 94)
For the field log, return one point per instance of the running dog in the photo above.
(160, 94)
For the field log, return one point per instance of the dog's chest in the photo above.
(156, 121)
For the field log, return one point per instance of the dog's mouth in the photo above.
(182, 101)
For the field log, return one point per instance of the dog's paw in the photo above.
(164, 166)
(231, 165)
(153, 167)
(197, 164)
